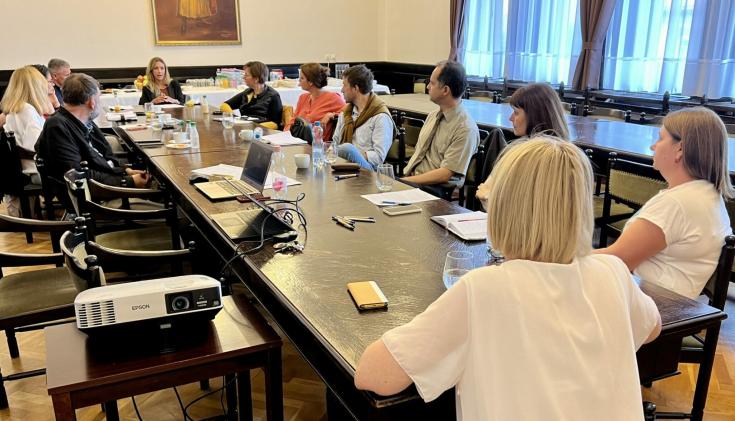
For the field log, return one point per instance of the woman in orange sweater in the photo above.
(316, 104)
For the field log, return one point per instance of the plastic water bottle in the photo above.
(193, 135)
(204, 105)
(278, 167)
(258, 134)
(317, 146)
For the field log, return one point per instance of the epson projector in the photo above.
(148, 306)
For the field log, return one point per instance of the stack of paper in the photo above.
(467, 226)
(127, 115)
(399, 197)
(283, 139)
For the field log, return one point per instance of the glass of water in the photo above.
(157, 128)
(331, 154)
(228, 121)
(385, 177)
(148, 108)
(457, 264)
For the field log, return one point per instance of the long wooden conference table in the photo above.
(629, 140)
(306, 294)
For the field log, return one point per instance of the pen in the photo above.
(360, 218)
(393, 203)
(343, 222)
(475, 219)
(342, 177)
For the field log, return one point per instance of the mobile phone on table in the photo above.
(401, 210)
(367, 295)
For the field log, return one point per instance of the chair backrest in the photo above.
(716, 288)
(477, 162)
(494, 147)
(140, 264)
(52, 188)
(83, 268)
(286, 115)
(413, 128)
(13, 224)
(12, 178)
(632, 183)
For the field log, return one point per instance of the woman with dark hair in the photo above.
(675, 239)
(537, 109)
(316, 104)
(258, 100)
(160, 88)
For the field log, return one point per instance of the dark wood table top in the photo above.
(679, 313)
(612, 136)
(74, 363)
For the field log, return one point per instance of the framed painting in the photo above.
(196, 22)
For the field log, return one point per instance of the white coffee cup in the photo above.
(158, 109)
(302, 160)
(166, 118)
(246, 134)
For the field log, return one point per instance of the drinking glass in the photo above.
(228, 121)
(157, 127)
(149, 113)
(331, 154)
(385, 177)
(457, 264)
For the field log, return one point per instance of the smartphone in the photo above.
(401, 210)
(367, 295)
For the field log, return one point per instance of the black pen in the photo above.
(344, 223)
(344, 176)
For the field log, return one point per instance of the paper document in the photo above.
(403, 196)
(283, 139)
(168, 106)
(120, 107)
(129, 115)
(467, 226)
(269, 181)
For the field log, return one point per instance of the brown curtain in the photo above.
(456, 30)
(595, 16)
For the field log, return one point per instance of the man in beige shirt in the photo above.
(449, 137)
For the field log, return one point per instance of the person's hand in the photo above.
(159, 99)
(327, 118)
(172, 100)
(482, 193)
(130, 171)
(141, 180)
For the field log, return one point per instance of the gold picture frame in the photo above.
(196, 22)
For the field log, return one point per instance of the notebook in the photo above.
(252, 179)
(467, 226)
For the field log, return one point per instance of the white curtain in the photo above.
(532, 40)
(487, 22)
(541, 40)
(710, 60)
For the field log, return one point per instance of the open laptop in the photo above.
(252, 179)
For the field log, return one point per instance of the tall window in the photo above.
(533, 40)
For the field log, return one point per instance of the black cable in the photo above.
(181, 405)
(135, 405)
(186, 408)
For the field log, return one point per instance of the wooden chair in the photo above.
(696, 349)
(628, 183)
(12, 179)
(33, 299)
(131, 229)
(491, 145)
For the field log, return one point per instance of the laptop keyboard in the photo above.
(241, 187)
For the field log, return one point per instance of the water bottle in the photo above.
(258, 134)
(280, 182)
(193, 135)
(205, 105)
(317, 146)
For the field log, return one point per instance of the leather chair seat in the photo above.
(393, 151)
(153, 238)
(616, 209)
(50, 288)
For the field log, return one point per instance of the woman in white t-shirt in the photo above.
(25, 102)
(549, 334)
(676, 238)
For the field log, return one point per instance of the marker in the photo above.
(344, 223)
(344, 176)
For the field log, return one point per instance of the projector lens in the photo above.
(180, 303)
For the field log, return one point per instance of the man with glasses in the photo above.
(60, 70)
(70, 137)
(449, 137)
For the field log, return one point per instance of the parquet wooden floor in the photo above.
(303, 391)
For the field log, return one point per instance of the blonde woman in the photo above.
(676, 238)
(160, 88)
(25, 102)
(549, 334)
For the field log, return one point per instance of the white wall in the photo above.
(416, 31)
(119, 33)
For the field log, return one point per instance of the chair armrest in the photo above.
(100, 212)
(101, 191)
(14, 224)
(30, 259)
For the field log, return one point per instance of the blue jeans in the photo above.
(350, 152)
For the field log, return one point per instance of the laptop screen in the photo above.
(257, 165)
